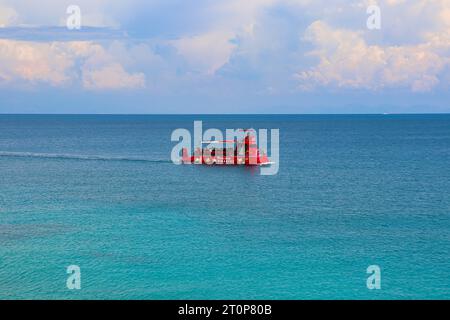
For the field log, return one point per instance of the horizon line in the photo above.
(222, 114)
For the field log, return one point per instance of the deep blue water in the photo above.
(352, 191)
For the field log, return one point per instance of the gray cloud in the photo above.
(45, 34)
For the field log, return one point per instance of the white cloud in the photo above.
(111, 76)
(62, 63)
(95, 13)
(102, 70)
(347, 59)
(206, 53)
(255, 39)
(34, 62)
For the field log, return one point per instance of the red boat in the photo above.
(245, 152)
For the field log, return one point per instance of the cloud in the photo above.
(62, 63)
(51, 34)
(102, 71)
(206, 53)
(252, 45)
(350, 58)
(34, 62)
(209, 51)
(112, 76)
(95, 13)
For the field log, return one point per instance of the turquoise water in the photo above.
(100, 192)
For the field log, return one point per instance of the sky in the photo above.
(225, 56)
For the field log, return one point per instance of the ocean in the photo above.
(100, 192)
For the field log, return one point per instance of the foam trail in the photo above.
(64, 156)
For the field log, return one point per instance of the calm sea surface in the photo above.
(100, 192)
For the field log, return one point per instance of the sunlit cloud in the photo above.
(346, 60)
(62, 64)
